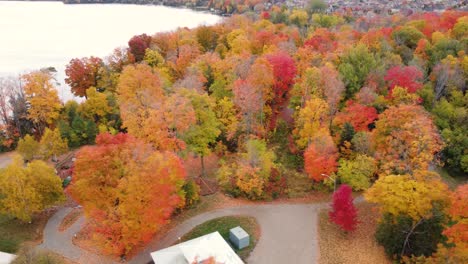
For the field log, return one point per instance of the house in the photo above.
(198, 250)
(6, 258)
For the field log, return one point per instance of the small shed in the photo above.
(239, 237)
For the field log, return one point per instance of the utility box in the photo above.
(239, 237)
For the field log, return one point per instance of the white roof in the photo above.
(6, 258)
(201, 248)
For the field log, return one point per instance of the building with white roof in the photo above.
(198, 250)
(6, 258)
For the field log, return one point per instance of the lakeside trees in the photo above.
(283, 101)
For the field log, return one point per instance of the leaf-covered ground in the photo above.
(360, 246)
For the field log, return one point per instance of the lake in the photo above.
(49, 34)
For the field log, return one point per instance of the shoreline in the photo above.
(185, 4)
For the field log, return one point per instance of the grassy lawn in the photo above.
(451, 180)
(355, 247)
(222, 225)
(13, 232)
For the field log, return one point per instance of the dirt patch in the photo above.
(70, 219)
(337, 247)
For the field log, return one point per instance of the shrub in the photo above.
(357, 173)
(344, 213)
(192, 193)
(423, 235)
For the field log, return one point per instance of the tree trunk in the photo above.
(202, 165)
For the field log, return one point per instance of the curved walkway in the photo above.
(288, 234)
(61, 242)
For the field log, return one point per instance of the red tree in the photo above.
(358, 115)
(82, 74)
(284, 71)
(409, 77)
(138, 45)
(343, 211)
(320, 158)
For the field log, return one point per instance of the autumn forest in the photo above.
(287, 102)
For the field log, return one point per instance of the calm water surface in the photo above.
(42, 34)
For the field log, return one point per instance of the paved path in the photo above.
(61, 242)
(288, 234)
(6, 159)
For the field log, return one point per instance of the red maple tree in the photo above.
(138, 45)
(82, 74)
(358, 115)
(284, 71)
(343, 211)
(409, 77)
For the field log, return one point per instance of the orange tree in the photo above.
(128, 190)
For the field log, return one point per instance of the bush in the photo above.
(392, 232)
(344, 213)
(276, 185)
(250, 171)
(357, 173)
(192, 193)
(29, 255)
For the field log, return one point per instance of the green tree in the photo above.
(450, 117)
(358, 172)
(347, 133)
(28, 148)
(407, 36)
(354, 67)
(401, 236)
(28, 190)
(204, 132)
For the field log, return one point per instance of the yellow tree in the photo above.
(312, 120)
(147, 112)
(28, 190)
(44, 103)
(52, 144)
(408, 195)
(96, 107)
(226, 113)
(28, 148)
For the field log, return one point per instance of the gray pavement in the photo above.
(5, 159)
(61, 242)
(288, 233)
